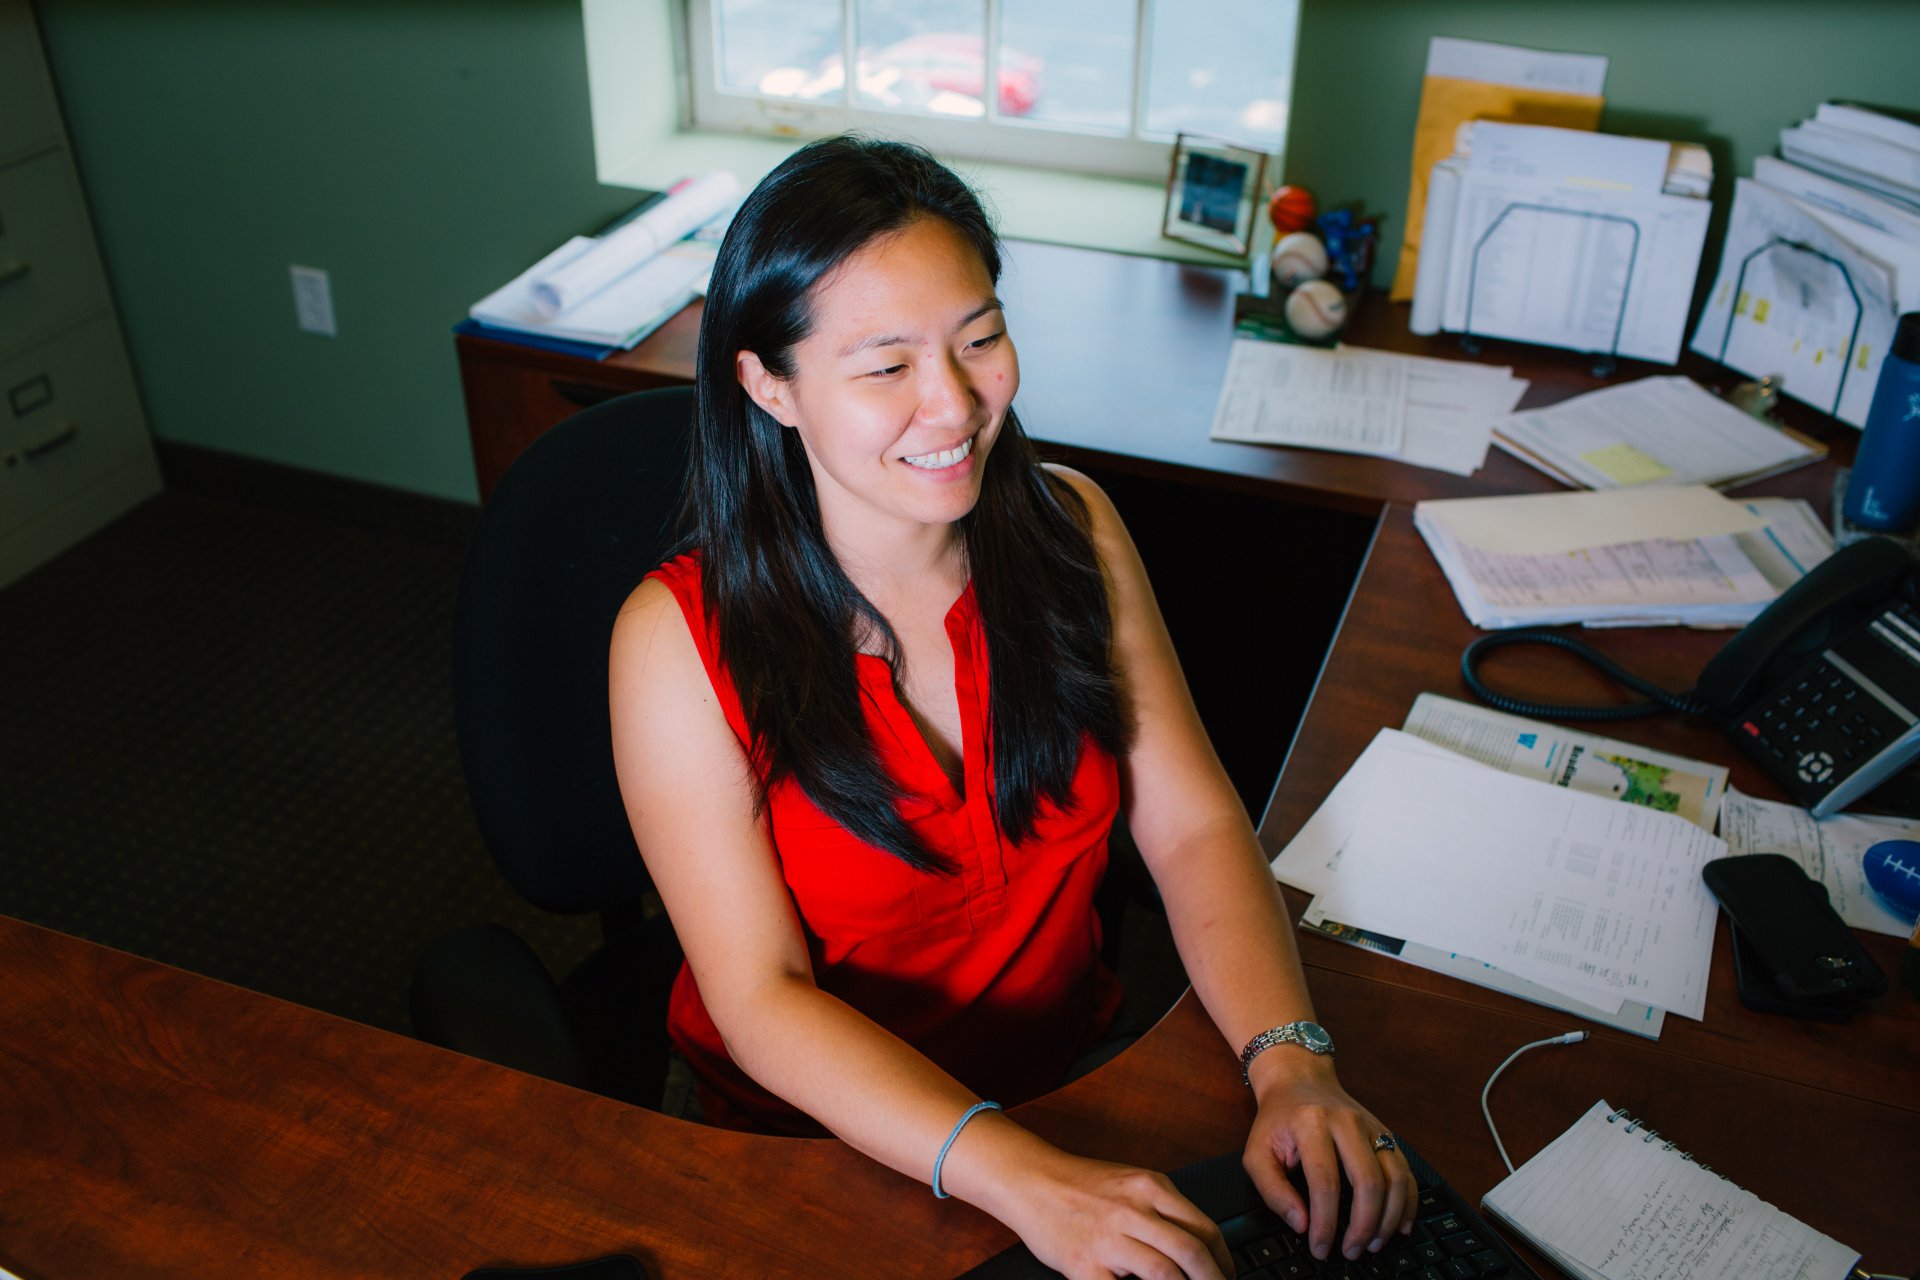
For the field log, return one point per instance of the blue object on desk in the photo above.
(1893, 870)
(565, 346)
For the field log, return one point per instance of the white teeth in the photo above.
(942, 460)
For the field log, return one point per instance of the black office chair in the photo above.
(574, 525)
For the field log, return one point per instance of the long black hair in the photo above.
(786, 614)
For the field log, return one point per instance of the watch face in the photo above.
(1315, 1037)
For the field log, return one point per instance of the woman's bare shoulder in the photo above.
(1108, 530)
(652, 650)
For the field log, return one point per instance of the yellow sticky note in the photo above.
(1760, 310)
(1623, 464)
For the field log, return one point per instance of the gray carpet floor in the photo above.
(226, 743)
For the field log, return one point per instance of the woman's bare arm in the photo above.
(1231, 926)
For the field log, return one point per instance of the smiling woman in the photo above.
(875, 722)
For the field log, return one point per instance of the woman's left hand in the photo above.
(1306, 1120)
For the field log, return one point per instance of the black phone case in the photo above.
(1806, 951)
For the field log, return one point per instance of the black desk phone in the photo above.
(1822, 690)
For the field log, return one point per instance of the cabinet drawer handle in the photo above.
(52, 440)
(585, 394)
(14, 270)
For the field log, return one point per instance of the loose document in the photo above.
(1666, 557)
(1831, 851)
(1592, 899)
(1653, 431)
(1427, 412)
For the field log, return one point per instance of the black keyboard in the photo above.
(1449, 1240)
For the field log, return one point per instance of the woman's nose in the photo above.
(948, 395)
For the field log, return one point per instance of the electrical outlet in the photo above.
(313, 300)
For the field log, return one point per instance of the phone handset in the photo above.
(1802, 621)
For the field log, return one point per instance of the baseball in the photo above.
(1298, 256)
(1316, 309)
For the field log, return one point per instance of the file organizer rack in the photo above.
(1605, 363)
(1846, 277)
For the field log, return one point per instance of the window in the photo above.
(1095, 85)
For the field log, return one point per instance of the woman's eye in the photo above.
(981, 344)
(887, 372)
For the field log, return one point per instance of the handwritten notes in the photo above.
(1609, 1198)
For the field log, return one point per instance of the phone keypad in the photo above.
(1817, 729)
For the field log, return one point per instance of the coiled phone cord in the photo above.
(1658, 699)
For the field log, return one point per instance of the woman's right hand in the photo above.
(1090, 1220)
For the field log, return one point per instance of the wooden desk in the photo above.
(156, 1123)
(1807, 1115)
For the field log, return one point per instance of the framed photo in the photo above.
(1213, 192)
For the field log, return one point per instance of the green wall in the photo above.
(1726, 74)
(423, 153)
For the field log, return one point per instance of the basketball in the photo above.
(1298, 256)
(1317, 309)
(1291, 209)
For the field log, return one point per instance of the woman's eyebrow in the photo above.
(901, 340)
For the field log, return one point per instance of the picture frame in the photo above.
(1213, 193)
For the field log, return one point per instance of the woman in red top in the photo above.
(872, 730)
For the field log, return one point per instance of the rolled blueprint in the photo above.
(689, 204)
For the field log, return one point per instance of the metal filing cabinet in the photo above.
(74, 449)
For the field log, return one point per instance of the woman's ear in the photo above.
(770, 393)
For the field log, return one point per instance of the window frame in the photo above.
(1135, 153)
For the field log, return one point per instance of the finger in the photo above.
(1369, 1183)
(1182, 1217)
(1133, 1257)
(1320, 1161)
(1269, 1176)
(1412, 1186)
(1393, 1215)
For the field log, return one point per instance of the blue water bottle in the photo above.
(1884, 492)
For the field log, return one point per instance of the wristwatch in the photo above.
(1310, 1036)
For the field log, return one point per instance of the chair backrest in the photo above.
(571, 529)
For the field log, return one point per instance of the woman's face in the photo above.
(900, 389)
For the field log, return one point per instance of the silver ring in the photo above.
(1384, 1142)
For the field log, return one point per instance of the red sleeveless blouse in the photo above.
(994, 973)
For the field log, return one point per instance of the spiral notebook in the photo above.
(1610, 1199)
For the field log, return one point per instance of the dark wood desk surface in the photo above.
(157, 1123)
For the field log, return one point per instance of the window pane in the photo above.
(923, 55)
(781, 48)
(1072, 60)
(1222, 67)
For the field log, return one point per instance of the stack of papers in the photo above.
(1564, 238)
(614, 289)
(1562, 758)
(1469, 80)
(1624, 557)
(1861, 147)
(1594, 904)
(1652, 431)
(1426, 412)
(1822, 256)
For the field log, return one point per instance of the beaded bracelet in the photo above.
(941, 1159)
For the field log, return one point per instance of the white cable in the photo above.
(1572, 1037)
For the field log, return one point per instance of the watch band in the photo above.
(1310, 1036)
